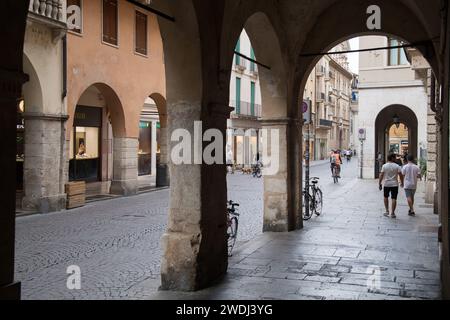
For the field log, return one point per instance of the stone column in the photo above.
(125, 166)
(10, 91)
(44, 162)
(154, 148)
(195, 249)
(162, 168)
(282, 200)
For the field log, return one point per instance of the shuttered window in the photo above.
(110, 22)
(141, 33)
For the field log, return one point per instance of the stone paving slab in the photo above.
(329, 262)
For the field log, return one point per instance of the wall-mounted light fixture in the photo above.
(396, 121)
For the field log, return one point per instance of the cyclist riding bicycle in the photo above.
(336, 161)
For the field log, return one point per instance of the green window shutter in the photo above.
(238, 49)
(252, 98)
(252, 56)
(238, 95)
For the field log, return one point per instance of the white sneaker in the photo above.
(386, 214)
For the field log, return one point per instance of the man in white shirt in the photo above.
(390, 174)
(411, 172)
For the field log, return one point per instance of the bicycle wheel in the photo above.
(232, 234)
(309, 216)
(318, 203)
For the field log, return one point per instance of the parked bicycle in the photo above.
(257, 170)
(314, 197)
(232, 225)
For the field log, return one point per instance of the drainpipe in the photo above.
(62, 170)
(64, 62)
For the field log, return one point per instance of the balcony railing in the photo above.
(51, 9)
(320, 71)
(326, 124)
(245, 109)
(254, 69)
(240, 63)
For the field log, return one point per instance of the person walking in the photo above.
(411, 172)
(390, 174)
(380, 160)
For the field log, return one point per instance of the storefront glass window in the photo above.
(145, 148)
(85, 145)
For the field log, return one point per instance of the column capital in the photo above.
(45, 116)
(11, 83)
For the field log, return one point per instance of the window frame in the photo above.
(147, 33)
(117, 23)
(398, 53)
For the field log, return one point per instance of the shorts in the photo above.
(393, 191)
(410, 193)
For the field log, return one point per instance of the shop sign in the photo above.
(144, 125)
(88, 117)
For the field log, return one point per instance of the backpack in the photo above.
(333, 159)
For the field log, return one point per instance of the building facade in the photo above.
(110, 137)
(42, 112)
(389, 92)
(89, 113)
(328, 91)
(243, 132)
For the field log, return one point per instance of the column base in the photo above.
(429, 192)
(162, 176)
(180, 270)
(11, 291)
(124, 188)
(45, 204)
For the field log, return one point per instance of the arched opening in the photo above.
(185, 237)
(152, 154)
(98, 126)
(397, 132)
(243, 146)
(259, 129)
(31, 101)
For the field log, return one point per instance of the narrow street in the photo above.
(116, 245)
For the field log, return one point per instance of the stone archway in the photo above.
(194, 257)
(383, 123)
(162, 165)
(278, 114)
(116, 153)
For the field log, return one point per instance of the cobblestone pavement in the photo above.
(116, 245)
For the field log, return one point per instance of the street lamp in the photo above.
(397, 121)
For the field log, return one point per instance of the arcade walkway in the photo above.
(116, 244)
(329, 259)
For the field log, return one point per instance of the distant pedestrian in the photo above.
(380, 159)
(348, 155)
(390, 174)
(411, 172)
